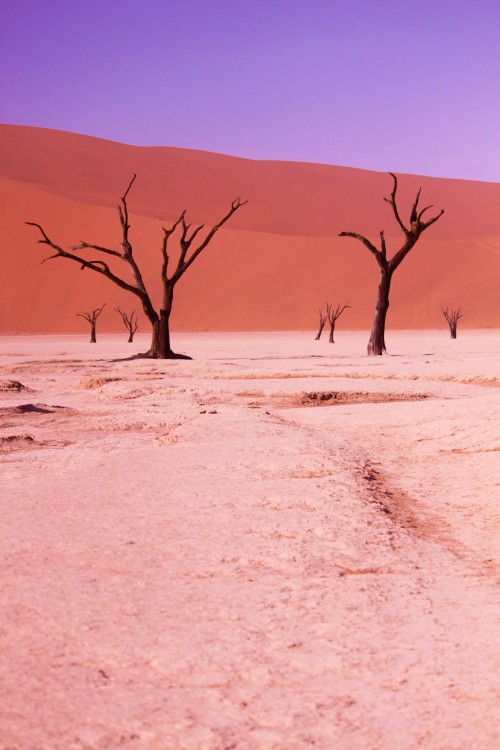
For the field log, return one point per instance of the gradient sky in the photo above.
(379, 84)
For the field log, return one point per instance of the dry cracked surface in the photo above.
(196, 557)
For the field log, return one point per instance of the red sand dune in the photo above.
(276, 264)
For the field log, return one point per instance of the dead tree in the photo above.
(188, 252)
(91, 317)
(376, 343)
(333, 316)
(452, 317)
(130, 322)
(322, 321)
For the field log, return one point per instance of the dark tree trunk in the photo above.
(160, 345)
(164, 348)
(376, 343)
(321, 326)
(93, 339)
(332, 330)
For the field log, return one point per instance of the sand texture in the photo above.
(273, 264)
(282, 544)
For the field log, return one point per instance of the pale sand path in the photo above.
(190, 561)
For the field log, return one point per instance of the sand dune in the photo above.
(278, 261)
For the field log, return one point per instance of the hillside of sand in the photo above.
(276, 263)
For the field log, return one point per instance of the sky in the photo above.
(410, 87)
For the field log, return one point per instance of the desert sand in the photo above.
(274, 264)
(282, 544)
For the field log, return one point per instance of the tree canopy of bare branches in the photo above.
(333, 315)
(322, 321)
(188, 251)
(91, 317)
(411, 234)
(130, 322)
(452, 318)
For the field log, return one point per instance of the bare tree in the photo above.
(452, 317)
(91, 317)
(188, 252)
(130, 322)
(376, 343)
(333, 316)
(322, 321)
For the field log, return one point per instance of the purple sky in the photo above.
(380, 84)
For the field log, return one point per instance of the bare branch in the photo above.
(97, 265)
(433, 220)
(413, 215)
(392, 202)
(333, 315)
(86, 245)
(182, 268)
(383, 245)
(124, 196)
(123, 214)
(45, 238)
(174, 226)
(164, 247)
(51, 257)
(91, 263)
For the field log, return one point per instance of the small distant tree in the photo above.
(130, 322)
(452, 318)
(333, 316)
(91, 317)
(189, 250)
(376, 343)
(322, 321)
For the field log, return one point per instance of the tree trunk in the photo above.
(332, 330)
(164, 349)
(376, 343)
(318, 336)
(130, 337)
(93, 339)
(160, 343)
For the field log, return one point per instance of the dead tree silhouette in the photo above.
(452, 318)
(333, 316)
(322, 321)
(187, 254)
(376, 343)
(130, 322)
(91, 317)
